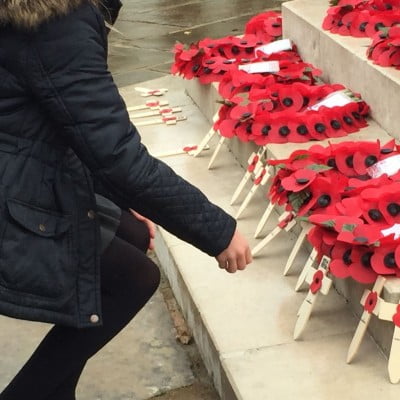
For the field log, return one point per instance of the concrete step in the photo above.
(343, 59)
(243, 323)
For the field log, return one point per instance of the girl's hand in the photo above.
(150, 225)
(237, 255)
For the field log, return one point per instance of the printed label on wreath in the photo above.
(335, 99)
(274, 47)
(394, 229)
(389, 166)
(260, 67)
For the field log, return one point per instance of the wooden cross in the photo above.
(145, 92)
(264, 219)
(306, 227)
(152, 105)
(216, 151)
(254, 162)
(391, 312)
(370, 301)
(161, 111)
(168, 120)
(210, 134)
(286, 222)
(307, 266)
(262, 176)
(319, 283)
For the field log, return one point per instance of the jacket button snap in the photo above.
(94, 318)
(91, 214)
(42, 228)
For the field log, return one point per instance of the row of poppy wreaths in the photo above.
(376, 19)
(286, 105)
(351, 192)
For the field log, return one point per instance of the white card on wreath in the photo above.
(389, 166)
(335, 99)
(260, 67)
(274, 47)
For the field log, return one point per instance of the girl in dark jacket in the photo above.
(64, 135)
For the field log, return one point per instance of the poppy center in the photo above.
(209, 62)
(366, 259)
(331, 163)
(287, 102)
(370, 160)
(249, 50)
(349, 161)
(346, 257)
(228, 62)
(248, 128)
(276, 25)
(207, 70)
(302, 130)
(386, 151)
(348, 120)
(265, 130)
(393, 209)
(363, 26)
(284, 131)
(246, 115)
(280, 189)
(324, 200)
(379, 25)
(243, 42)
(375, 214)
(302, 181)
(361, 239)
(356, 115)
(195, 67)
(389, 260)
(306, 101)
(335, 124)
(320, 128)
(235, 50)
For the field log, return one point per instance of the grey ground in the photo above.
(145, 361)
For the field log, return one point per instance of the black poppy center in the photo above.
(302, 130)
(324, 200)
(306, 101)
(302, 181)
(386, 151)
(361, 239)
(280, 189)
(379, 25)
(320, 127)
(287, 102)
(284, 130)
(249, 50)
(207, 70)
(265, 130)
(346, 257)
(375, 214)
(195, 67)
(331, 163)
(348, 120)
(235, 50)
(363, 26)
(393, 209)
(209, 62)
(356, 115)
(246, 115)
(248, 128)
(349, 161)
(335, 124)
(370, 160)
(389, 260)
(366, 259)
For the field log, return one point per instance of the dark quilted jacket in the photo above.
(65, 133)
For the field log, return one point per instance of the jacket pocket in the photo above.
(35, 252)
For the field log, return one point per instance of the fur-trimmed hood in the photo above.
(29, 14)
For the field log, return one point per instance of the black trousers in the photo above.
(128, 279)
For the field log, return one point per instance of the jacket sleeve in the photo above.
(67, 73)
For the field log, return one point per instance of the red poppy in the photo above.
(299, 180)
(291, 97)
(257, 26)
(366, 155)
(341, 260)
(316, 284)
(389, 204)
(362, 234)
(335, 222)
(371, 302)
(227, 128)
(359, 24)
(361, 269)
(277, 192)
(396, 317)
(383, 261)
(350, 206)
(344, 158)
